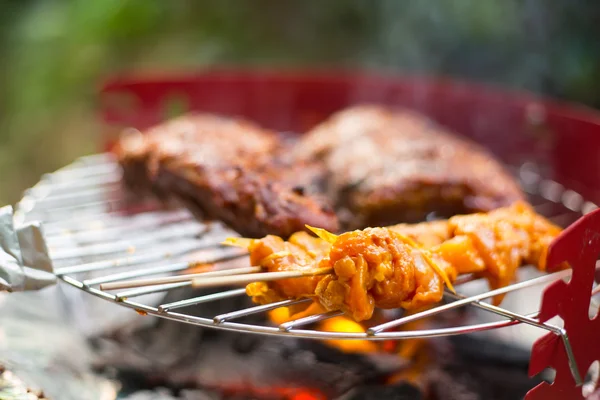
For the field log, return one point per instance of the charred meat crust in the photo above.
(249, 202)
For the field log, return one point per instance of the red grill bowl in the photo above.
(562, 139)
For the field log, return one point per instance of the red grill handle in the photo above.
(579, 246)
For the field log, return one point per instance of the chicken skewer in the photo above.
(402, 266)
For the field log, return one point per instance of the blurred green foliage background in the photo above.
(55, 53)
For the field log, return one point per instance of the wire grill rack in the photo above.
(93, 241)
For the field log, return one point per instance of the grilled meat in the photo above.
(365, 166)
(225, 169)
(402, 266)
(209, 141)
(387, 166)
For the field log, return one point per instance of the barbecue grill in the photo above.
(98, 237)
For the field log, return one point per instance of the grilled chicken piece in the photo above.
(402, 266)
(224, 169)
(388, 166)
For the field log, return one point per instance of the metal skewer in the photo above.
(258, 277)
(178, 278)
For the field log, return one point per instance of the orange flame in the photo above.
(279, 315)
(409, 349)
(344, 324)
(416, 351)
(337, 324)
(274, 392)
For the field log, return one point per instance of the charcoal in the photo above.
(245, 344)
(374, 364)
(176, 355)
(161, 343)
(471, 368)
(11, 387)
(475, 349)
(185, 357)
(167, 394)
(401, 391)
(157, 394)
(461, 381)
(189, 359)
(216, 361)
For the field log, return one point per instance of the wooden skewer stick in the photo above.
(258, 277)
(134, 283)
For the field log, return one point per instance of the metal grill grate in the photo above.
(93, 241)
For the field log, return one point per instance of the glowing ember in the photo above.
(276, 392)
(416, 351)
(343, 324)
(285, 314)
(279, 315)
(408, 349)
(338, 324)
